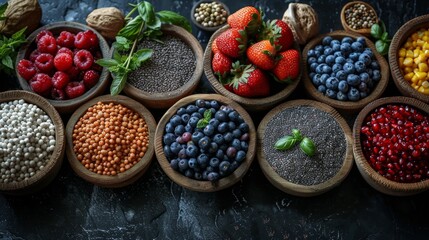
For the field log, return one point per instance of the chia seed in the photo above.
(293, 165)
(172, 64)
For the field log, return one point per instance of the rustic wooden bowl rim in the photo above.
(252, 104)
(209, 29)
(121, 179)
(57, 154)
(298, 189)
(346, 105)
(197, 185)
(397, 41)
(383, 184)
(363, 31)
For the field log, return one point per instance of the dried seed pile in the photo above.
(170, 67)
(293, 165)
(210, 14)
(358, 16)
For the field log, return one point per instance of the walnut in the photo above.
(303, 21)
(20, 14)
(108, 21)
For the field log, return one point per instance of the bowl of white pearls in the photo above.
(32, 142)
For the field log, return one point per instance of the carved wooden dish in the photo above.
(364, 31)
(206, 28)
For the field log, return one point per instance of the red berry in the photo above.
(66, 39)
(47, 44)
(60, 80)
(90, 78)
(65, 50)
(42, 34)
(75, 89)
(92, 38)
(33, 55)
(63, 61)
(73, 73)
(41, 84)
(26, 69)
(44, 62)
(83, 59)
(82, 41)
(58, 94)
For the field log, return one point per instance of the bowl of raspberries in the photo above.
(344, 70)
(58, 63)
(205, 142)
(255, 63)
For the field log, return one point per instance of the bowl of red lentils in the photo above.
(391, 145)
(32, 142)
(409, 58)
(110, 141)
(358, 17)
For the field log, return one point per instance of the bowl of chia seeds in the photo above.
(344, 70)
(292, 170)
(391, 145)
(205, 142)
(172, 72)
(32, 142)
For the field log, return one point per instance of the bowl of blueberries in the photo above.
(205, 142)
(344, 70)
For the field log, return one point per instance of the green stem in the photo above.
(134, 46)
(131, 12)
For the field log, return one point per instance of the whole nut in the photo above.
(303, 21)
(20, 14)
(108, 21)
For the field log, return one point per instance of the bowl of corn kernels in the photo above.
(409, 58)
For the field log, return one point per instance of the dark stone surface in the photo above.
(156, 208)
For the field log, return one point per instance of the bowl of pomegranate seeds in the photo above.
(391, 145)
(58, 63)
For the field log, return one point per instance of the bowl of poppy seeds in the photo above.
(173, 71)
(391, 145)
(205, 142)
(292, 170)
(110, 141)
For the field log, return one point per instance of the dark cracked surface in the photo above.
(156, 208)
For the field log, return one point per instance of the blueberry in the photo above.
(343, 86)
(349, 60)
(363, 95)
(321, 59)
(240, 156)
(209, 130)
(364, 77)
(192, 163)
(337, 67)
(189, 128)
(191, 109)
(326, 69)
(244, 127)
(340, 60)
(175, 147)
(236, 144)
(323, 78)
(169, 138)
(204, 143)
(224, 166)
(183, 164)
(362, 87)
(205, 175)
(361, 40)
(175, 120)
(365, 58)
(312, 60)
(357, 46)
(197, 115)
(317, 53)
(181, 111)
(221, 116)
(341, 75)
(198, 176)
(214, 104)
(338, 54)
(336, 47)
(202, 111)
(341, 96)
(213, 148)
(223, 147)
(331, 93)
(223, 127)
(218, 138)
(244, 145)
(360, 67)
(321, 88)
(345, 48)
(200, 103)
(213, 176)
(349, 68)
(231, 152)
(191, 150)
(332, 83)
(319, 69)
(369, 52)
(196, 136)
(214, 162)
(182, 153)
(169, 128)
(328, 51)
(213, 111)
(318, 48)
(348, 40)
(189, 173)
(327, 40)
(214, 122)
(375, 65)
(335, 42)
(353, 94)
(311, 75)
(353, 80)
(174, 164)
(231, 126)
(311, 53)
(203, 160)
(210, 168)
(313, 66)
(330, 60)
(228, 137)
(220, 153)
(185, 118)
(236, 133)
(354, 56)
(376, 75)
(179, 130)
(167, 151)
(316, 79)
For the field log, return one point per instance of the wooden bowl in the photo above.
(372, 177)
(250, 104)
(196, 185)
(166, 99)
(43, 177)
(347, 106)
(398, 40)
(130, 175)
(292, 188)
(199, 25)
(364, 31)
(66, 106)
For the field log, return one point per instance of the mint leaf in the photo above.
(143, 54)
(132, 28)
(107, 62)
(118, 83)
(7, 61)
(285, 143)
(19, 35)
(308, 147)
(174, 18)
(207, 115)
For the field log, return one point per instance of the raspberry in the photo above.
(42, 34)
(73, 73)
(41, 84)
(44, 62)
(82, 41)
(92, 38)
(47, 44)
(90, 78)
(26, 69)
(58, 94)
(33, 55)
(75, 89)
(83, 59)
(66, 39)
(63, 61)
(60, 80)
(65, 50)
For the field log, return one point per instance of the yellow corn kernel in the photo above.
(421, 33)
(408, 76)
(426, 91)
(425, 38)
(420, 42)
(401, 62)
(416, 53)
(425, 84)
(414, 86)
(408, 45)
(426, 33)
(415, 79)
(408, 62)
(408, 70)
(425, 45)
(402, 52)
(409, 54)
(415, 36)
(423, 67)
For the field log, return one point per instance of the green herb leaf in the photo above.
(285, 143)
(382, 47)
(207, 115)
(118, 83)
(19, 35)
(202, 123)
(143, 54)
(297, 134)
(107, 62)
(384, 36)
(376, 31)
(132, 29)
(147, 12)
(9, 49)
(3, 8)
(7, 61)
(174, 18)
(307, 146)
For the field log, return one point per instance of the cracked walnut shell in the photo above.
(107, 21)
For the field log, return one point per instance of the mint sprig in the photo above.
(380, 34)
(9, 47)
(202, 123)
(287, 142)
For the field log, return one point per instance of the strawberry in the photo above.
(262, 54)
(232, 42)
(249, 81)
(221, 64)
(248, 18)
(279, 32)
(214, 47)
(288, 67)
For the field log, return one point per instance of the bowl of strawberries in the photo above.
(252, 62)
(58, 63)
